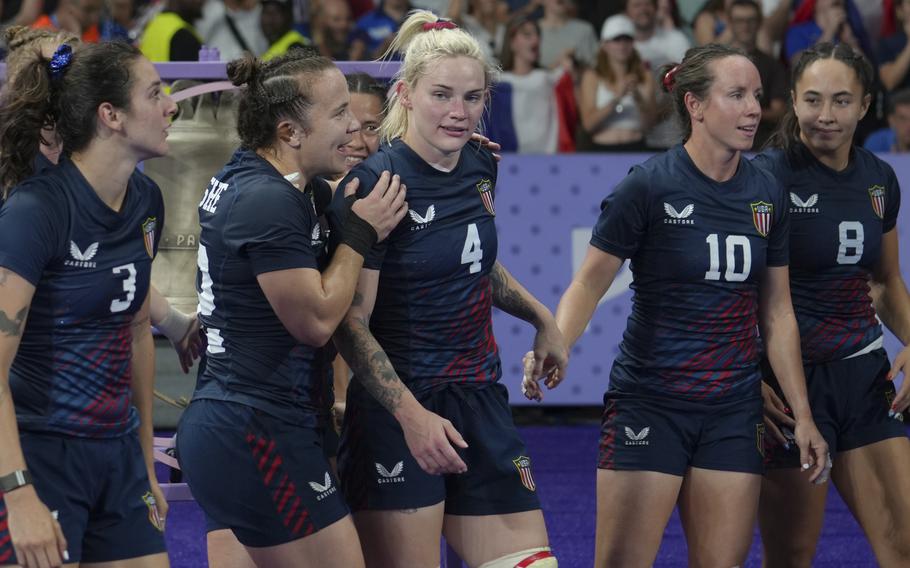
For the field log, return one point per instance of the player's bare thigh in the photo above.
(482, 538)
(875, 483)
(718, 511)
(791, 513)
(633, 508)
(406, 538)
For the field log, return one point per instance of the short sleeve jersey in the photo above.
(433, 310)
(698, 249)
(254, 221)
(91, 268)
(836, 228)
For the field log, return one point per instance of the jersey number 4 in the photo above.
(472, 254)
(732, 242)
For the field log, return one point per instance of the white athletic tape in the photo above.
(530, 558)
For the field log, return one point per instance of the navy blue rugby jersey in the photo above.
(698, 249)
(91, 268)
(254, 221)
(837, 220)
(433, 311)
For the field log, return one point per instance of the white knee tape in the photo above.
(530, 558)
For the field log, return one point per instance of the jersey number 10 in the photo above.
(732, 242)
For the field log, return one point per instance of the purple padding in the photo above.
(545, 209)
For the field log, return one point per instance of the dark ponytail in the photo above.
(275, 90)
(66, 98)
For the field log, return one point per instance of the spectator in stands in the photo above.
(744, 19)
(118, 20)
(277, 23)
(374, 32)
(818, 21)
(332, 26)
(170, 36)
(20, 12)
(657, 46)
(667, 15)
(895, 138)
(617, 95)
(711, 24)
(77, 16)
(893, 55)
(483, 19)
(562, 35)
(233, 26)
(527, 90)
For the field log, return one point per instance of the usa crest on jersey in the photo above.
(523, 465)
(148, 235)
(877, 195)
(761, 216)
(485, 187)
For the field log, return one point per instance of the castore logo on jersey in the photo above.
(422, 221)
(675, 217)
(82, 259)
(807, 206)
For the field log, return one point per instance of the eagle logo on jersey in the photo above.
(422, 220)
(634, 439)
(394, 476)
(81, 259)
(523, 465)
(807, 206)
(485, 187)
(148, 235)
(675, 217)
(323, 490)
(762, 213)
(877, 195)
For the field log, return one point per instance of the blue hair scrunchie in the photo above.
(60, 60)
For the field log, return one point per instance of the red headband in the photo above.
(670, 78)
(440, 24)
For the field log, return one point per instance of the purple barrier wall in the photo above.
(545, 209)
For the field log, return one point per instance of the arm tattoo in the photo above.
(507, 298)
(12, 327)
(370, 363)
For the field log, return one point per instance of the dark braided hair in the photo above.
(787, 133)
(276, 90)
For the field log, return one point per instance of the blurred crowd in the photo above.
(577, 75)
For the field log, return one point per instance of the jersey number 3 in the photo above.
(472, 254)
(732, 242)
(129, 288)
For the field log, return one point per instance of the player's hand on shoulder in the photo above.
(384, 206)
(430, 438)
(36, 535)
(493, 147)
